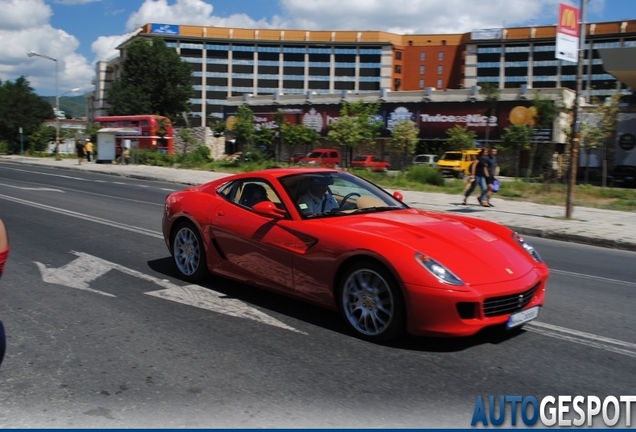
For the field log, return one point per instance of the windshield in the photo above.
(452, 156)
(314, 154)
(326, 194)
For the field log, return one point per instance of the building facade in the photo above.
(229, 62)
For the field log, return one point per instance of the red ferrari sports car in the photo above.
(336, 240)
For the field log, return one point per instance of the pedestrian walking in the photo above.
(493, 183)
(79, 149)
(478, 175)
(89, 150)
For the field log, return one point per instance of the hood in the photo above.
(472, 253)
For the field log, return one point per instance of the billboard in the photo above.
(166, 29)
(432, 119)
(567, 36)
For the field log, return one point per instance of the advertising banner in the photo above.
(567, 37)
(433, 119)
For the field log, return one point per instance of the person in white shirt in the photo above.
(317, 200)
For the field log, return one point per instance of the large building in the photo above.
(230, 62)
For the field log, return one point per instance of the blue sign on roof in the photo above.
(164, 29)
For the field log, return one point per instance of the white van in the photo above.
(426, 159)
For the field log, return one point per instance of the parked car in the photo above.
(426, 159)
(296, 157)
(385, 267)
(327, 158)
(457, 163)
(622, 175)
(370, 163)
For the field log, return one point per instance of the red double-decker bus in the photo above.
(154, 132)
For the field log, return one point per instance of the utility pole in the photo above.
(576, 133)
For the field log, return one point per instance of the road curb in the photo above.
(575, 238)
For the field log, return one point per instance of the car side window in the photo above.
(251, 192)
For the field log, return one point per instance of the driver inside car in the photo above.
(317, 199)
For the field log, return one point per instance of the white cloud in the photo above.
(414, 16)
(25, 27)
(191, 12)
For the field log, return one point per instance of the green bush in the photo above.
(155, 158)
(4, 147)
(197, 158)
(425, 175)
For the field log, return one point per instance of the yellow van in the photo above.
(457, 163)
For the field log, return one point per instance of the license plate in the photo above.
(522, 317)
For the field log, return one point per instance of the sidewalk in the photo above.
(607, 228)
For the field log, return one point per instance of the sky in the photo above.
(78, 33)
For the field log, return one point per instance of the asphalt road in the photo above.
(101, 332)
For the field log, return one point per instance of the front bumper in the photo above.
(439, 312)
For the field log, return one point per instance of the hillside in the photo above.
(73, 105)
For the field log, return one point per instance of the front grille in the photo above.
(503, 305)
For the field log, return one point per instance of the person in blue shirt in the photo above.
(318, 199)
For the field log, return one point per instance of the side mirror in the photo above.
(268, 209)
(398, 195)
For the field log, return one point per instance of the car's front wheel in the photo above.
(188, 253)
(371, 302)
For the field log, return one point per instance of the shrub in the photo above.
(155, 158)
(426, 175)
(198, 157)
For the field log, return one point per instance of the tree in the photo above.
(298, 135)
(404, 138)
(542, 114)
(517, 137)
(244, 129)
(279, 120)
(591, 138)
(20, 107)
(154, 80)
(460, 138)
(490, 92)
(608, 112)
(357, 125)
(39, 140)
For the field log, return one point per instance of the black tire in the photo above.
(188, 253)
(371, 302)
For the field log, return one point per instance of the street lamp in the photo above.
(76, 89)
(57, 102)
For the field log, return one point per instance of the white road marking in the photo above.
(598, 278)
(85, 269)
(583, 338)
(48, 174)
(537, 327)
(168, 190)
(44, 189)
(131, 228)
(194, 295)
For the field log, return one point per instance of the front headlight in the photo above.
(436, 269)
(527, 247)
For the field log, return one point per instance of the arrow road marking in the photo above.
(78, 273)
(204, 298)
(86, 268)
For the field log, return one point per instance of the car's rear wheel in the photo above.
(188, 253)
(371, 302)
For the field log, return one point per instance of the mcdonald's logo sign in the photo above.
(568, 20)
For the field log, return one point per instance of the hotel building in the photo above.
(229, 62)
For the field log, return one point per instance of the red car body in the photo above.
(370, 162)
(416, 257)
(326, 158)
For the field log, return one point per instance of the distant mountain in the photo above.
(73, 105)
